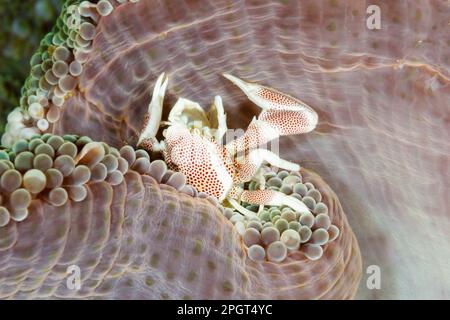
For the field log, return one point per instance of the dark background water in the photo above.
(23, 23)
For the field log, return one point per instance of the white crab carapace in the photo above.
(192, 143)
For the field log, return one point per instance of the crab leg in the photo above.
(147, 138)
(281, 115)
(273, 198)
(241, 209)
(249, 165)
(248, 168)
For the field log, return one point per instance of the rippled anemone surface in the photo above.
(382, 98)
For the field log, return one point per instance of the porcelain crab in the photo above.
(192, 143)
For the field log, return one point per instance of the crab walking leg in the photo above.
(259, 176)
(241, 209)
(152, 120)
(249, 165)
(273, 198)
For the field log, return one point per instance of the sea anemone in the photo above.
(124, 219)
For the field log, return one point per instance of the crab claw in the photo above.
(152, 118)
(284, 112)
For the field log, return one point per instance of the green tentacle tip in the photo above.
(4, 155)
(20, 146)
